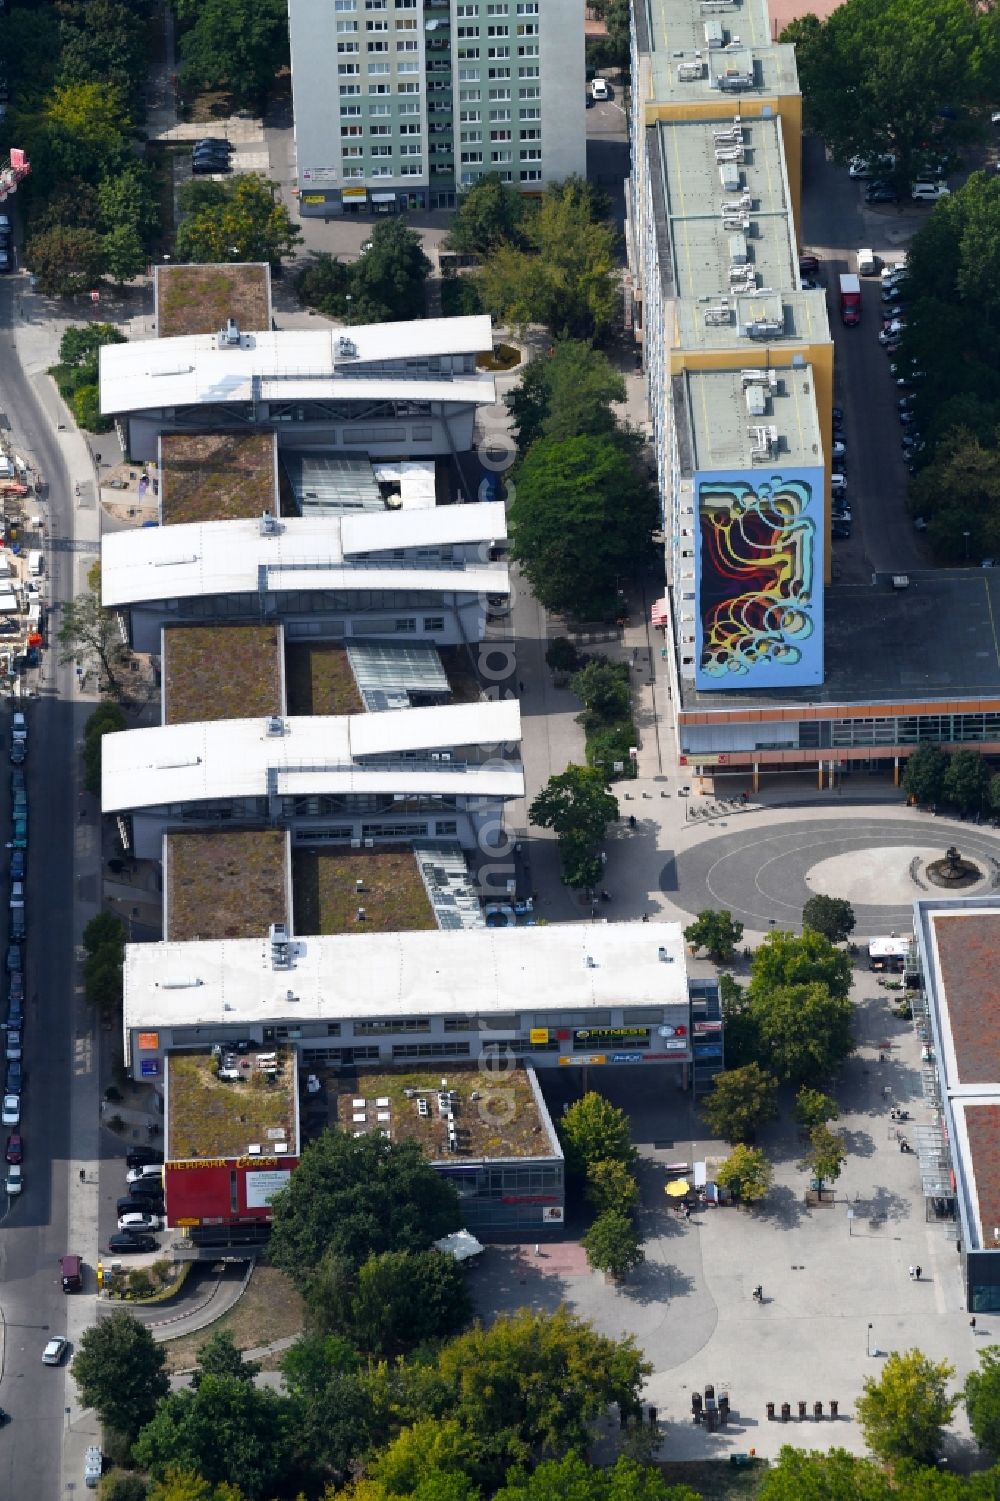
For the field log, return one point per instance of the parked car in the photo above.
(19, 840)
(18, 781)
(881, 192)
(838, 417)
(15, 1077)
(136, 1221)
(840, 531)
(219, 142)
(599, 90)
(14, 1181)
(12, 1046)
(10, 1114)
(125, 1243)
(136, 1204)
(139, 1156)
(18, 865)
(839, 448)
(15, 958)
(15, 1148)
(18, 753)
(808, 263)
(202, 165)
(146, 1172)
(929, 192)
(55, 1350)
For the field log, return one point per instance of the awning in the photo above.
(382, 197)
(659, 611)
(461, 1245)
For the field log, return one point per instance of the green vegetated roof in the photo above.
(225, 883)
(496, 1114)
(326, 899)
(216, 476)
(220, 672)
(212, 1117)
(199, 299)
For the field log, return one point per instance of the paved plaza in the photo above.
(827, 1271)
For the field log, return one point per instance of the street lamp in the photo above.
(868, 1340)
(966, 535)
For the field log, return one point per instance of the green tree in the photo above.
(104, 930)
(566, 394)
(79, 355)
(120, 1372)
(534, 1384)
(994, 793)
(741, 1100)
(250, 224)
(876, 75)
(717, 933)
(575, 802)
(102, 980)
(833, 1475)
(106, 719)
(958, 492)
(613, 1244)
(388, 282)
(65, 260)
(594, 1131)
(742, 1042)
(603, 689)
(826, 1155)
(124, 256)
(86, 407)
(923, 774)
(610, 1184)
(237, 45)
(573, 1479)
(561, 654)
(324, 285)
(581, 519)
(966, 781)
(830, 915)
(357, 1197)
(813, 1108)
(90, 637)
(489, 214)
(788, 959)
(225, 1430)
(336, 1416)
(803, 1031)
(579, 863)
(903, 1414)
(219, 1356)
(186, 1485)
(566, 278)
(403, 1298)
(981, 1394)
(746, 1173)
(127, 200)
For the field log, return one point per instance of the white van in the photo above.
(35, 563)
(867, 263)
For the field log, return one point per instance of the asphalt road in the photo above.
(836, 223)
(59, 1043)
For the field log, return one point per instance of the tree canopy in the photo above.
(241, 220)
(825, 1156)
(490, 213)
(789, 959)
(582, 517)
(236, 45)
(803, 1031)
(746, 1173)
(226, 1429)
(613, 1243)
(565, 394)
(120, 1371)
(90, 637)
(386, 284)
(357, 1197)
(904, 1412)
(830, 915)
(577, 806)
(981, 1394)
(741, 1100)
(594, 1131)
(923, 774)
(717, 933)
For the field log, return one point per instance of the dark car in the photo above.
(840, 531)
(15, 1148)
(808, 264)
(881, 192)
(210, 154)
(201, 165)
(15, 1077)
(219, 142)
(140, 1156)
(18, 780)
(18, 864)
(15, 1011)
(124, 1244)
(18, 753)
(137, 1204)
(15, 959)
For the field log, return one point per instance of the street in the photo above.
(59, 1111)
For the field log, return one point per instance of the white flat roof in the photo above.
(307, 552)
(187, 763)
(580, 966)
(295, 365)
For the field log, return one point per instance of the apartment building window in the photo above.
(527, 7)
(381, 1028)
(378, 46)
(376, 25)
(468, 54)
(469, 117)
(499, 94)
(529, 112)
(347, 48)
(498, 73)
(531, 174)
(468, 75)
(498, 31)
(379, 88)
(409, 130)
(405, 65)
(532, 134)
(527, 49)
(498, 51)
(345, 5)
(344, 28)
(466, 12)
(470, 158)
(531, 91)
(497, 135)
(410, 148)
(378, 70)
(353, 173)
(527, 71)
(348, 89)
(381, 151)
(468, 33)
(351, 153)
(527, 28)
(430, 1050)
(410, 107)
(348, 70)
(407, 45)
(499, 114)
(379, 109)
(350, 111)
(504, 154)
(408, 88)
(411, 169)
(351, 130)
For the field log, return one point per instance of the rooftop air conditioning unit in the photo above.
(719, 314)
(346, 348)
(268, 524)
(756, 399)
(691, 71)
(253, 1150)
(229, 337)
(281, 947)
(275, 726)
(763, 443)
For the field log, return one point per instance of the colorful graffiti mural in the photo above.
(760, 619)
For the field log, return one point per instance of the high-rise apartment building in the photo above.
(403, 103)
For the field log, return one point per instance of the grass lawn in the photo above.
(319, 680)
(270, 1309)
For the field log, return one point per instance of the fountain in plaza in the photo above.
(953, 872)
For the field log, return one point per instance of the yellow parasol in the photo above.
(678, 1188)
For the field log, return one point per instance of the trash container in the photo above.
(770, 1412)
(817, 1410)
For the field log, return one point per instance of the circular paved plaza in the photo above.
(764, 876)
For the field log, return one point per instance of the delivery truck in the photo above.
(850, 299)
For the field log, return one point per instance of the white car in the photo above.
(11, 1114)
(929, 192)
(599, 89)
(55, 1350)
(150, 1172)
(839, 449)
(838, 484)
(140, 1222)
(15, 1179)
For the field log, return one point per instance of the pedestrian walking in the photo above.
(645, 917)
(918, 1271)
(520, 686)
(972, 1323)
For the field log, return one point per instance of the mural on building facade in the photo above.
(760, 617)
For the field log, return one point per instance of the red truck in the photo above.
(850, 300)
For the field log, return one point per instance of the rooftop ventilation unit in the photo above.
(732, 135)
(275, 726)
(346, 348)
(738, 253)
(763, 444)
(729, 154)
(742, 278)
(714, 35)
(268, 524)
(281, 947)
(280, 1147)
(734, 79)
(692, 70)
(729, 176)
(757, 400)
(229, 337)
(718, 315)
(759, 378)
(735, 220)
(764, 327)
